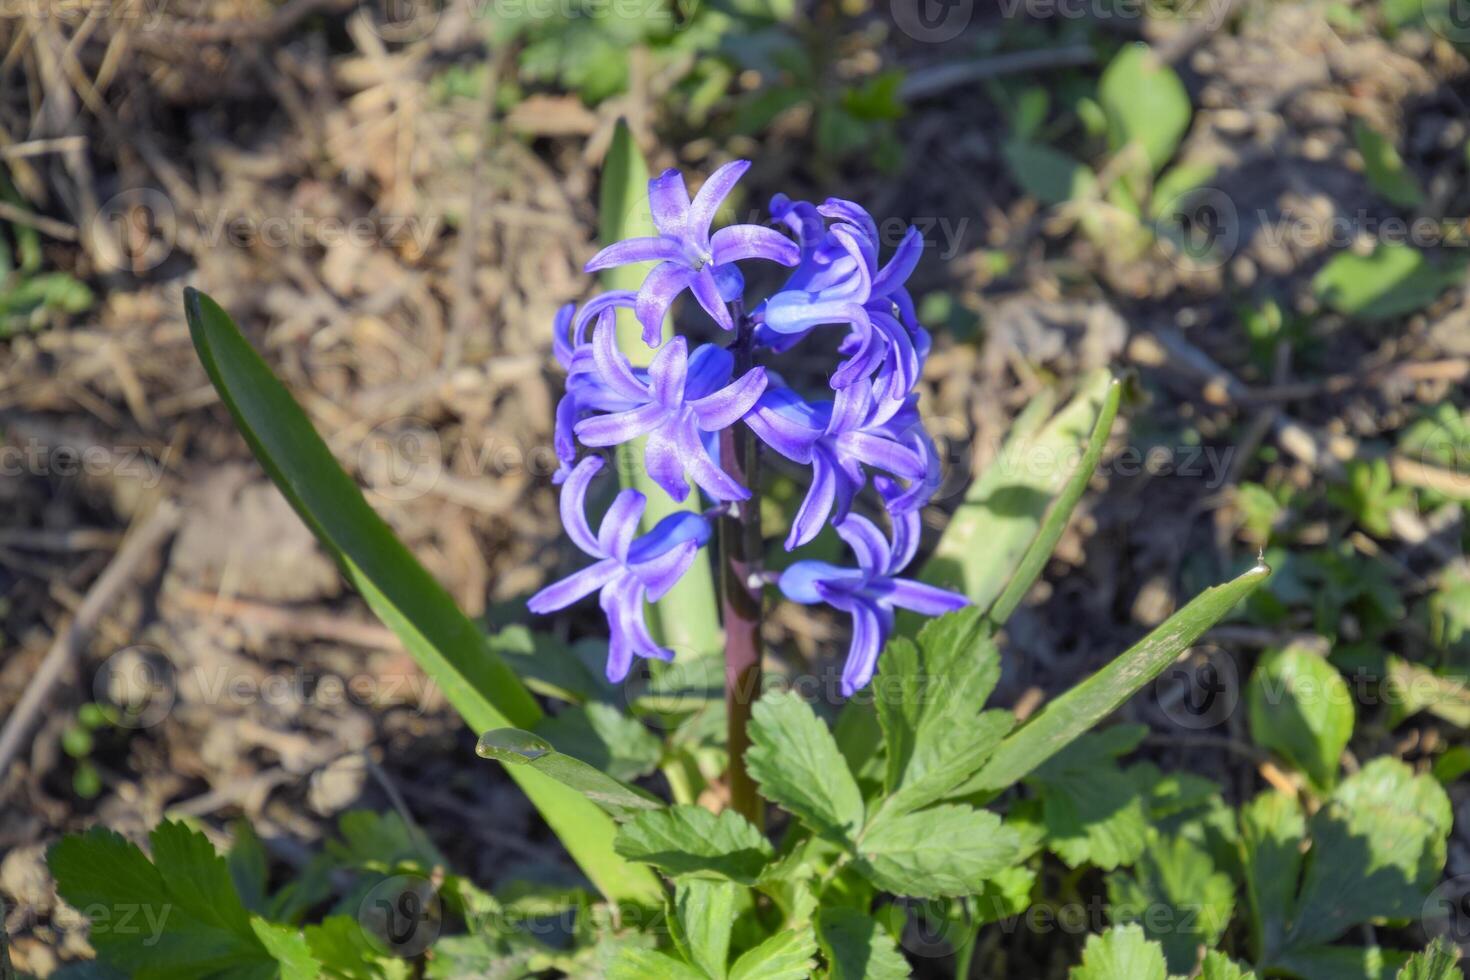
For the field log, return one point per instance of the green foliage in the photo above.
(404, 595)
(1370, 495)
(856, 947)
(1090, 807)
(1178, 896)
(1300, 708)
(692, 841)
(1377, 849)
(1145, 103)
(30, 298)
(177, 915)
(1385, 169)
(1392, 281)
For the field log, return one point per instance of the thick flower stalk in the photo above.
(704, 413)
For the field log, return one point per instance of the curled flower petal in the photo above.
(752, 242)
(867, 543)
(704, 471)
(574, 506)
(668, 199)
(710, 368)
(726, 407)
(620, 524)
(633, 250)
(713, 193)
(620, 427)
(816, 506)
(613, 369)
(574, 587)
(667, 373)
(656, 295)
(706, 289)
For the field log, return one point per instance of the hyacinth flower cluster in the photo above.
(865, 425)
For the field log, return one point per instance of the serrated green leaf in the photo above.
(1440, 961)
(1083, 706)
(345, 952)
(177, 916)
(1092, 810)
(1378, 847)
(1218, 966)
(1300, 708)
(856, 947)
(369, 840)
(637, 963)
(689, 840)
(1393, 281)
(788, 955)
(1385, 169)
(928, 696)
(288, 948)
(945, 850)
(704, 914)
(1121, 953)
(1145, 102)
(515, 748)
(449, 647)
(794, 758)
(1178, 897)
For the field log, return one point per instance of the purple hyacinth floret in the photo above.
(682, 402)
(678, 401)
(837, 438)
(688, 256)
(869, 593)
(839, 281)
(629, 569)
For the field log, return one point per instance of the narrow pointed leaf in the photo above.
(449, 647)
(1004, 507)
(1060, 512)
(516, 748)
(1089, 702)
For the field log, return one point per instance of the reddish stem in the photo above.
(740, 551)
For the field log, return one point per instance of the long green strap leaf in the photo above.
(515, 747)
(1060, 512)
(1089, 702)
(451, 650)
(1004, 507)
(687, 618)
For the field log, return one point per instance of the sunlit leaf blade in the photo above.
(687, 618)
(1003, 509)
(1082, 707)
(795, 759)
(516, 748)
(1300, 707)
(449, 647)
(1060, 512)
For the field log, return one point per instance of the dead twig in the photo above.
(136, 548)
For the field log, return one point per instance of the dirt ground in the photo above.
(398, 263)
